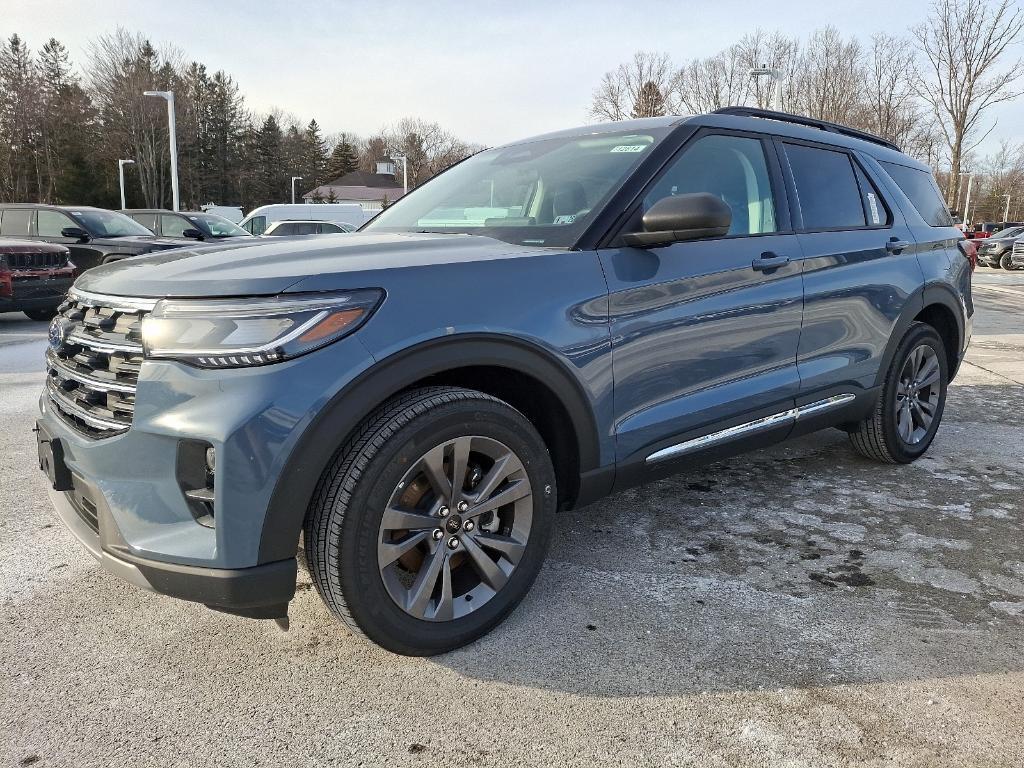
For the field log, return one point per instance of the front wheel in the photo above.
(1006, 260)
(910, 406)
(433, 521)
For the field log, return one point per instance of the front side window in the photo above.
(51, 223)
(826, 188)
(15, 222)
(305, 228)
(257, 225)
(109, 224)
(174, 226)
(733, 168)
(543, 192)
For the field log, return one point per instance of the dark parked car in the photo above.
(996, 250)
(34, 277)
(540, 325)
(295, 228)
(93, 235)
(186, 224)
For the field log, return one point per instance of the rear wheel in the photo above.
(433, 521)
(910, 406)
(41, 314)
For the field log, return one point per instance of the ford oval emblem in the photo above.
(59, 328)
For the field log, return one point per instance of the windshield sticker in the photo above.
(565, 219)
(629, 148)
(873, 205)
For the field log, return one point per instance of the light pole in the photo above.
(294, 179)
(776, 75)
(168, 96)
(120, 175)
(967, 204)
(405, 173)
(1006, 210)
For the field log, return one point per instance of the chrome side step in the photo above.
(750, 427)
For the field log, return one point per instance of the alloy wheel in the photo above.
(917, 394)
(455, 528)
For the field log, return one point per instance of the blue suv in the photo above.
(543, 324)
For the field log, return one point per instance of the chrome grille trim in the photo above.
(94, 368)
(116, 303)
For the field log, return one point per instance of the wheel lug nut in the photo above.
(443, 512)
(453, 543)
(469, 525)
(463, 506)
(438, 534)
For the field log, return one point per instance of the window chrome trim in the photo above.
(757, 425)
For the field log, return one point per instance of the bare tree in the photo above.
(427, 147)
(774, 51)
(963, 43)
(722, 80)
(622, 91)
(830, 77)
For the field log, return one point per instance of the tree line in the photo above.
(63, 130)
(930, 91)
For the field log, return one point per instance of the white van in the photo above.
(230, 212)
(346, 213)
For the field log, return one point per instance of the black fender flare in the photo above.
(347, 408)
(926, 296)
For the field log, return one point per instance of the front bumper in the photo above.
(1017, 261)
(989, 259)
(35, 293)
(122, 497)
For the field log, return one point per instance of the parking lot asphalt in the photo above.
(798, 606)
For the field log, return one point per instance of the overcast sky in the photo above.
(489, 71)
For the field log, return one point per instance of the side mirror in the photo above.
(76, 233)
(192, 234)
(682, 217)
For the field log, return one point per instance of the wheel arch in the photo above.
(530, 378)
(938, 306)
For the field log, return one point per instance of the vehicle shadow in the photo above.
(798, 566)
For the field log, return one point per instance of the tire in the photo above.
(41, 314)
(880, 436)
(348, 537)
(1006, 260)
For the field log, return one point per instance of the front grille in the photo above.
(93, 372)
(54, 260)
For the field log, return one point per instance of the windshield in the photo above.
(218, 226)
(541, 193)
(1008, 232)
(109, 224)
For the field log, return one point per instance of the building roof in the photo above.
(359, 185)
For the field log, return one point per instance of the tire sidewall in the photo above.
(900, 450)
(358, 575)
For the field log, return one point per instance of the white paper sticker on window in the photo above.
(873, 205)
(629, 148)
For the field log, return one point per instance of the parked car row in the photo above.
(32, 235)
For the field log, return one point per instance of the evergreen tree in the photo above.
(315, 160)
(344, 159)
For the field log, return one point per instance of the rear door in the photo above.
(705, 332)
(859, 268)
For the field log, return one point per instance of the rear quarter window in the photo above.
(16, 222)
(920, 188)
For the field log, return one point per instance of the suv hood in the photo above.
(268, 267)
(141, 243)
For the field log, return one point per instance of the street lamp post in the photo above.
(776, 75)
(120, 175)
(405, 172)
(294, 179)
(168, 96)
(967, 204)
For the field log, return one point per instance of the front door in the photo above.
(705, 332)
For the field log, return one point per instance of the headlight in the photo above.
(231, 333)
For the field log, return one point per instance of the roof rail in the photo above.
(810, 122)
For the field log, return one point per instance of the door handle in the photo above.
(895, 245)
(768, 261)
